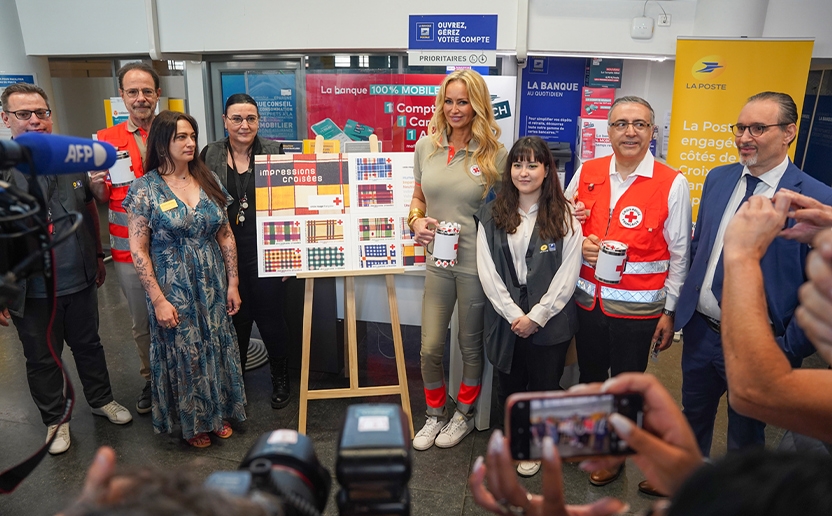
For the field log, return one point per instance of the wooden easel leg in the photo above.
(398, 347)
(352, 334)
(304, 361)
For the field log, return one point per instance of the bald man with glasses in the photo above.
(765, 129)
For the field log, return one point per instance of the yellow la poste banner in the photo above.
(712, 82)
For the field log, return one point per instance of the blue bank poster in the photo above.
(550, 99)
(276, 97)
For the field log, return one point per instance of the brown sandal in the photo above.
(200, 441)
(225, 432)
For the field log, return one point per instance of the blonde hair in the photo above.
(483, 126)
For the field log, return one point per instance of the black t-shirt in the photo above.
(244, 233)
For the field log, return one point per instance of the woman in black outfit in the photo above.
(232, 159)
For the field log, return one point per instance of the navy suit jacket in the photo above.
(782, 265)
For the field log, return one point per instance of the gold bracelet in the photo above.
(157, 298)
(415, 213)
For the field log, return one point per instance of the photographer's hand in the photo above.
(504, 491)
(666, 449)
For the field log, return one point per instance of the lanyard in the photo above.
(242, 188)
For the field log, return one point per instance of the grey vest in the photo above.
(542, 264)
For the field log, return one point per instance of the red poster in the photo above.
(351, 107)
(596, 102)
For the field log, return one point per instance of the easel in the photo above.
(351, 356)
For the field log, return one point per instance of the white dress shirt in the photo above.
(767, 186)
(561, 287)
(677, 227)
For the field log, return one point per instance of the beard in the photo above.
(749, 161)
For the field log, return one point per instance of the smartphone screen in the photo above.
(577, 424)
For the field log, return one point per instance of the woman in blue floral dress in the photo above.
(185, 255)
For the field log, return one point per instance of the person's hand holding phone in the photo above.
(666, 449)
(494, 485)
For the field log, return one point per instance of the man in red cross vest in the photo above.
(138, 85)
(631, 198)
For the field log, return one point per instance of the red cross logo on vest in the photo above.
(630, 217)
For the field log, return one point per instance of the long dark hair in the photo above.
(554, 216)
(159, 139)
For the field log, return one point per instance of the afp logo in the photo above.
(94, 154)
(708, 68)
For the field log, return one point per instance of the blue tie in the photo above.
(751, 183)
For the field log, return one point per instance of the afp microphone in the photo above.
(53, 154)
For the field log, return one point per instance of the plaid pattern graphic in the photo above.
(413, 255)
(377, 255)
(407, 233)
(375, 229)
(278, 232)
(329, 230)
(375, 195)
(374, 168)
(320, 258)
(276, 260)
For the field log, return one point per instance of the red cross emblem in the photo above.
(630, 217)
(337, 201)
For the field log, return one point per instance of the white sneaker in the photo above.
(116, 413)
(427, 435)
(528, 468)
(61, 442)
(455, 431)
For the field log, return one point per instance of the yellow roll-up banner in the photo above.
(712, 82)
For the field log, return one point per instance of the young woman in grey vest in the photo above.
(528, 260)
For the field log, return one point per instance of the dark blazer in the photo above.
(783, 263)
(215, 155)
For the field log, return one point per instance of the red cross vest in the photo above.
(637, 220)
(121, 139)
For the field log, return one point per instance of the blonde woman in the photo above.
(455, 167)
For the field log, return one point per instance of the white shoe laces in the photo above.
(456, 423)
(430, 426)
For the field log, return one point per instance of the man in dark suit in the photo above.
(763, 133)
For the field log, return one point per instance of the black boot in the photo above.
(280, 381)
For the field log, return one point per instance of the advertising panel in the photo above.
(712, 81)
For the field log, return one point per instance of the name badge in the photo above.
(168, 205)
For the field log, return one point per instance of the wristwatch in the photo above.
(669, 313)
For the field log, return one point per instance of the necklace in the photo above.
(181, 186)
(242, 187)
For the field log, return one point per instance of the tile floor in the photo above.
(438, 483)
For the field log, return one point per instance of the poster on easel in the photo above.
(334, 212)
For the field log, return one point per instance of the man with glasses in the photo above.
(79, 271)
(631, 198)
(765, 129)
(138, 85)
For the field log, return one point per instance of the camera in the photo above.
(282, 473)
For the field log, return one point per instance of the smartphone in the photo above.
(576, 422)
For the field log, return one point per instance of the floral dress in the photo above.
(195, 367)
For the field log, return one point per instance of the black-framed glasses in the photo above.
(638, 125)
(134, 92)
(25, 114)
(238, 120)
(754, 129)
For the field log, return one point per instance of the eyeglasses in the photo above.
(146, 93)
(638, 125)
(238, 120)
(753, 129)
(25, 114)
